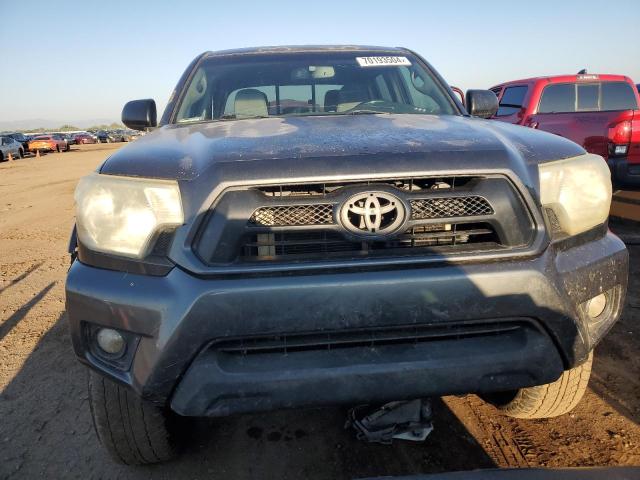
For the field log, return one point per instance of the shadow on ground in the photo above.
(47, 431)
(22, 312)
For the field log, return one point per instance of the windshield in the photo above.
(257, 86)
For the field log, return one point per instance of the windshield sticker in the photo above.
(382, 61)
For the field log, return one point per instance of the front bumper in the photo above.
(623, 171)
(217, 346)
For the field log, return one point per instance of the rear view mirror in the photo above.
(481, 103)
(140, 114)
(322, 72)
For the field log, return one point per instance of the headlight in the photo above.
(121, 215)
(576, 193)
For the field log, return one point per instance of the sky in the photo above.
(80, 61)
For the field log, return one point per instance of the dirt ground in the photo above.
(46, 430)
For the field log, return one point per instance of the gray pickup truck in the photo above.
(330, 225)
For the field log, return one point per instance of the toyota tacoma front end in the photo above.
(329, 225)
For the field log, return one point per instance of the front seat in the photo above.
(331, 100)
(250, 103)
(350, 97)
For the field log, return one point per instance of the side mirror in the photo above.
(140, 114)
(481, 103)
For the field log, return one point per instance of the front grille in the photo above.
(370, 337)
(445, 215)
(293, 215)
(429, 208)
(326, 244)
(322, 213)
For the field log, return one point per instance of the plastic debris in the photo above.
(402, 420)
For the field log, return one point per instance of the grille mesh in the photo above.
(449, 207)
(293, 215)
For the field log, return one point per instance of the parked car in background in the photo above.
(599, 112)
(22, 138)
(104, 137)
(135, 134)
(9, 145)
(125, 135)
(94, 134)
(69, 137)
(66, 137)
(117, 135)
(84, 138)
(63, 138)
(47, 143)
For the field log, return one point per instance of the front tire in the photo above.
(21, 153)
(133, 431)
(549, 400)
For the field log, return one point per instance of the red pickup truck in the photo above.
(599, 112)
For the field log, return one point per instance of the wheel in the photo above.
(1, 157)
(21, 153)
(549, 400)
(58, 148)
(68, 148)
(133, 431)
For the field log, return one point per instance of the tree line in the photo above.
(73, 128)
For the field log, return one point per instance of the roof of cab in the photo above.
(305, 48)
(567, 78)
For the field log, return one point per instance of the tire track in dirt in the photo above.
(504, 440)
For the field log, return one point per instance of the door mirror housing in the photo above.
(140, 114)
(481, 103)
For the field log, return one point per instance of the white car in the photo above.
(10, 146)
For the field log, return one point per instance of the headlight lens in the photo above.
(121, 215)
(576, 193)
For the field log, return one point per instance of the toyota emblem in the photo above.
(372, 214)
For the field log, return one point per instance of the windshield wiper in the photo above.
(365, 112)
(234, 117)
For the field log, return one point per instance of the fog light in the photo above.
(596, 305)
(110, 341)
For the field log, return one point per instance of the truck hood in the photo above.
(336, 145)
